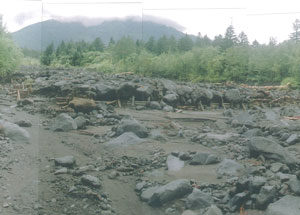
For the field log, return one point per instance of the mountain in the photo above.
(38, 36)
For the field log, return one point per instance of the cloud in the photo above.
(164, 21)
(21, 18)
(89, 21)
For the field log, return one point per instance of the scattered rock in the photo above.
(265, 197)
(90, 180)
(204, 159)
(67, 161)
(230, 168)
(237, 200)
(174, 163)
(188, 212)
(294, 184)
(173, 190)
(213, 210)
(63, 122)
(293, 139)
(148, 193)
(198, 200)
(270, 150)
(125, 139)
(233, 95)
(14, 132)
(131, 125)
(288, 205)
(24, 123)
(81, 122)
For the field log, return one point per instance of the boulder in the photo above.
(202, 158)
(63, 122)
(288, 205)
(233, 95)
(82, 105)
(148, 193)
(237, 200)
(126, 139)
(293, 139)
(105, 92)
(171, 99)
(294, 184)
(14, 132)
(173, 190)
(265, 196)
(143, 93)
(90, 180)
(230, 168)
(256, 183)
(131, 125)
(66, 161)
(174, 163)
(156, 134)
(81, 122)
(270, 150)
(213, 210)
(154, 105)
(244, 118)
(168, 85)
(24, 123)
(126, 90)
(198, 200)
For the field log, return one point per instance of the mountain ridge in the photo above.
(39, 35)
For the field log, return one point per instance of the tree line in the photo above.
(228, 57)
(10, 55)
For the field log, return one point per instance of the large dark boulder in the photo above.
(270, 150)
(131, 125)
(173, 190)
(105, 92)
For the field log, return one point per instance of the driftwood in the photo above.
(292, 117)
(193, 117)
(281, 87)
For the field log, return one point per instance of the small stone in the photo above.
(275, 167)
(113, 175)
(67, 161)
(61, 171)
(293, 139)
(230, 168)
(24, 123)
(90, 180)
(213, 210)
(188, 212)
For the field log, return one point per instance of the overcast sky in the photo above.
(259, 19)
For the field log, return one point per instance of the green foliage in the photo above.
(292, 82)
(97, 45)
(48, 55)
(123, 48)
(295, 36)
(226, 58)
(10, 55)
(185, 43)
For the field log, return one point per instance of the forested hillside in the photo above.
(38, 36)
(228, 57)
